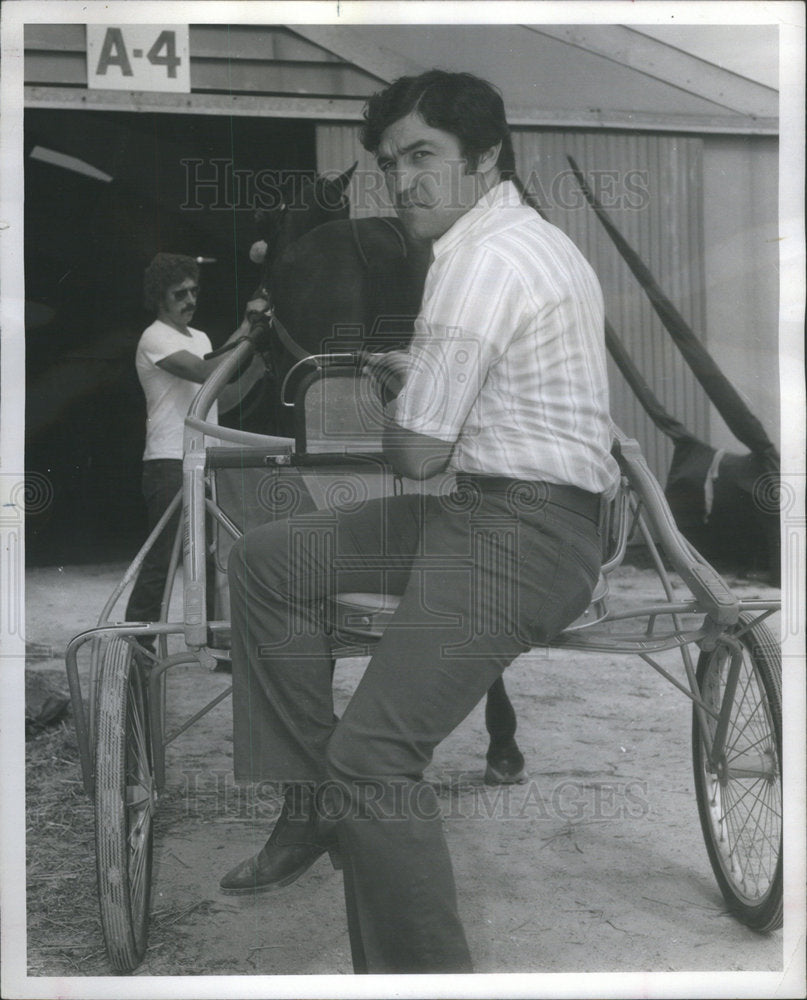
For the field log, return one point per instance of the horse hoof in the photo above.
(505, 767)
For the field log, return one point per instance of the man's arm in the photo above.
(192, 368)
(413, 455)
(234, 392)
(189, 366)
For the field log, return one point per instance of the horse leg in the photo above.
(505, 762)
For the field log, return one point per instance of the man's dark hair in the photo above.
(166, 269)
(459, 103)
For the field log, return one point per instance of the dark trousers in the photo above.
(162, 480)
(482, 576)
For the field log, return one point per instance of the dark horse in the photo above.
(348, 285)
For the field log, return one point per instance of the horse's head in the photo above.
(305, 204)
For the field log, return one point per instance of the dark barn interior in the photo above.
(119, 189)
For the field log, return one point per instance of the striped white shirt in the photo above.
(508, 353)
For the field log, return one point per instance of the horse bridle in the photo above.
(264, 292)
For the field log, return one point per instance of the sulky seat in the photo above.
(338, 415)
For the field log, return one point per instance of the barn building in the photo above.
(682, 153)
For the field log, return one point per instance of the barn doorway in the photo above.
(104, 192)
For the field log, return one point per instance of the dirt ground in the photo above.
(596, 864)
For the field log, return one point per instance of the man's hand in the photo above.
(256, 306)
(388, 372)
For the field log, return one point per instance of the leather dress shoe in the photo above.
(297, 840)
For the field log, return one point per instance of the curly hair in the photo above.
(460, 103)
(166, 269)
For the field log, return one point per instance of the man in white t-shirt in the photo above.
(171, 364)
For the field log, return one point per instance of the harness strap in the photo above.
(286, 339)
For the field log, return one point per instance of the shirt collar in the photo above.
(502, 195)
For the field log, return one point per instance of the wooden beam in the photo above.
(351, 45)
(350, 109)
(55, 37)
(294, 106)
(632, 49)
(644, 121)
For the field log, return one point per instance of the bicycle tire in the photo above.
(124, 807)
(740, 801)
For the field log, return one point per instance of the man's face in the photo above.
(179, 303)
(426, 176)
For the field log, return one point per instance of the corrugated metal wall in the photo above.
(652, 188)
(741, 219)
(337, 147)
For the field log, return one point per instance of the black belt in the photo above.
(572, 498)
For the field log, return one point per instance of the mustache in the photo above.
(409, 201)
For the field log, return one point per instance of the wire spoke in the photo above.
(731, 814)
(764, 738)
(138, 796)
(739, 705)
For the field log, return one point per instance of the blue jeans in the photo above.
(482, 575)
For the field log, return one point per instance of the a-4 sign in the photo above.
(138, 57)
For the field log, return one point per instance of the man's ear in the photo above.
(488, 160)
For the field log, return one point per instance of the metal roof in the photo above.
(571, 74)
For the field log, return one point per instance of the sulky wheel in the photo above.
(740, 792)
(125, 798)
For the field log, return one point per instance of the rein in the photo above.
(286, 339)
